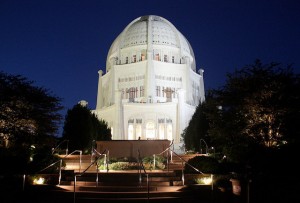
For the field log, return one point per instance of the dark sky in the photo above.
(61, 44)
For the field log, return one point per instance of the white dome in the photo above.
(160, 31)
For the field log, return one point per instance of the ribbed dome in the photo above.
(151, 31)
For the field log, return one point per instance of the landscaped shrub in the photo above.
(203, 163)
(160, 162)
(123, 166)
(131, 163)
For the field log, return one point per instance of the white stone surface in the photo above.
(151, 88)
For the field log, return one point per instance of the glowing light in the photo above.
(39, 181)
(204, 180)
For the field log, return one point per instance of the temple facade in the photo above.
(151, 88)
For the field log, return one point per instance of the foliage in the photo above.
(131, 163)
(123, 166)
(43, 158)
(82, 127)
(257, 108)
(160, 162)
(28, 114)
(203, 163)
(197, 129)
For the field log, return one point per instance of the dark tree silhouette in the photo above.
(28, 114)
(82, 127)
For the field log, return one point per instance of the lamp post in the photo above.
(206, 146)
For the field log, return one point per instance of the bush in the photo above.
(131, 163)
(203, 163)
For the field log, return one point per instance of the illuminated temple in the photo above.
(151, 88)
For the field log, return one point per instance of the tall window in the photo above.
(126, 61)
(157, 58)
(169, 93)
(134, 58)
(169, 131)
(161, 131)
(173, 59)
(138, 130)
(130, 132)
(126, 93)
(165, 58)
(131, 94)
(141, 91)
(142, 57)
(150, 130)
(158, 91)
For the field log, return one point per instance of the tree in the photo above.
(82, 127)
(29, 120)
(257, 108)
(28, 114)
(197, 129)
(259, 103)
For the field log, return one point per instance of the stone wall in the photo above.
(129, 148)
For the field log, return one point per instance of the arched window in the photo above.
(169, 131)
(161, 131)
(150, 130)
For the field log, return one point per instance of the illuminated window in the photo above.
(161, 131)
(138, 130)
(169, 131)
(142, 57)
(130, 132)
(150, 130)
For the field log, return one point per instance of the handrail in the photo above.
(83, 172)
(60, 165)
(166, 150)
(140, 173)
(62, 159)
(182, 177)
(54, 149)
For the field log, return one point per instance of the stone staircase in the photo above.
(126, 186)
(160, 186)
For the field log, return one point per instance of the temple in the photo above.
(151, 86)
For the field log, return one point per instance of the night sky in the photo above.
(61, 44)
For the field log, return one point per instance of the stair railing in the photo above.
(83, 172)
(141, 166)
(168, 151)
(67, 147)
(60, 164)
(106, 158)
(185, 162)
